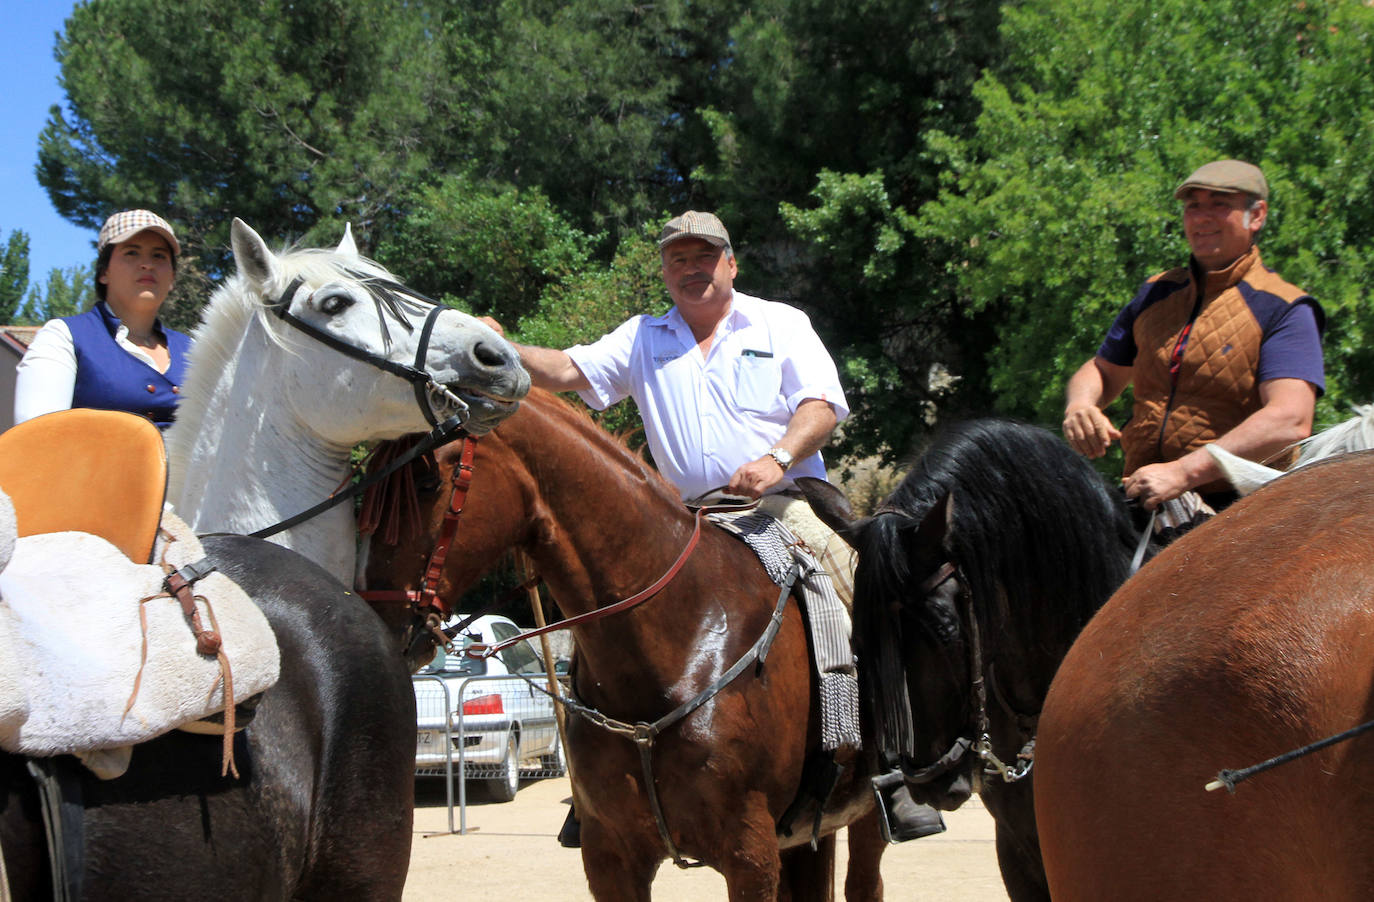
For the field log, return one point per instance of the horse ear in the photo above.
(937, 523)
(829, 503)
(346, 244)
(254, 259)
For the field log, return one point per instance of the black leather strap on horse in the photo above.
(59, 794)
(982, 746)
(820, 774)
(422, 381)
(644, 733)
(1229, 778)
(442, 434)
(416, 374)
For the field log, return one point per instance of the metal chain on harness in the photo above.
(982, 746)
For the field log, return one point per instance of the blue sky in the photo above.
(29, 75)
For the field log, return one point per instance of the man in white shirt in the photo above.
(736, 393)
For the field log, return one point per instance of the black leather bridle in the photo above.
(423, 381)
(427, 388)
(963, 745)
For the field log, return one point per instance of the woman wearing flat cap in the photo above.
(1220, 350)
(118, 355)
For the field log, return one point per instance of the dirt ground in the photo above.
(510, 851)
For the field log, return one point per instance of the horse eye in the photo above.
(334, 304)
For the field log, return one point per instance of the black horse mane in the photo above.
(1040, 540)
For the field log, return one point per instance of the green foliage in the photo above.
(587, 305)
(960, 195)
(68, 291)
(582, 99)
(293, 115)
(14, 274)
(821, 122)
(488, 248)
(1061, 203)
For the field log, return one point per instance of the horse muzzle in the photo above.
(480, 412)
(945, 793)
(947, 783)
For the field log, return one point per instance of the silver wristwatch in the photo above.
(782, 456)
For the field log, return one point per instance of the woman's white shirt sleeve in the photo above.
(46, 374)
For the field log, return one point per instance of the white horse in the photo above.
(1355, 434)
(300, 357)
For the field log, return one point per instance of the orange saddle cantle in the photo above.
(98, 471)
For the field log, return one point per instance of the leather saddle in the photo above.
(102, 472)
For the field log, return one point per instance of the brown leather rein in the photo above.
(481, 650)
(427, 595)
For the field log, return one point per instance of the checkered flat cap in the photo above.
(694, 225)
(125, 225)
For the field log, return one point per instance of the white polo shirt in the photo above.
(705, 418)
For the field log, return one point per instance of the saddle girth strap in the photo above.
(820, 775)
(59, 794)
(645, 733)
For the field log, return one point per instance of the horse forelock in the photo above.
(882, 587)
(1040, 541)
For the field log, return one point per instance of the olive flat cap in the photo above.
(1232, 176)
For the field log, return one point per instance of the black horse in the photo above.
(324, 805)
(973, 579)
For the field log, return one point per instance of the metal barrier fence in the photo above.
(495, 730)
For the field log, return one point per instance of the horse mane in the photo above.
(225, 320)
(613, 446)
(1040, 539)
(575, 421)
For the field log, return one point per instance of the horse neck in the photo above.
(605, 525)
(251, 464)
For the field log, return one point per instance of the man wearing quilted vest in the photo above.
(1221, 350)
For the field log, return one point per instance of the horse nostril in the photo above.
(490, 355)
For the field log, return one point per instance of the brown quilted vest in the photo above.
(1216, 387)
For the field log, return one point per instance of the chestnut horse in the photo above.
(600, 525)
(1250, 637)
(974, 577)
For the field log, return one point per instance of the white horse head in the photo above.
(298, 358)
